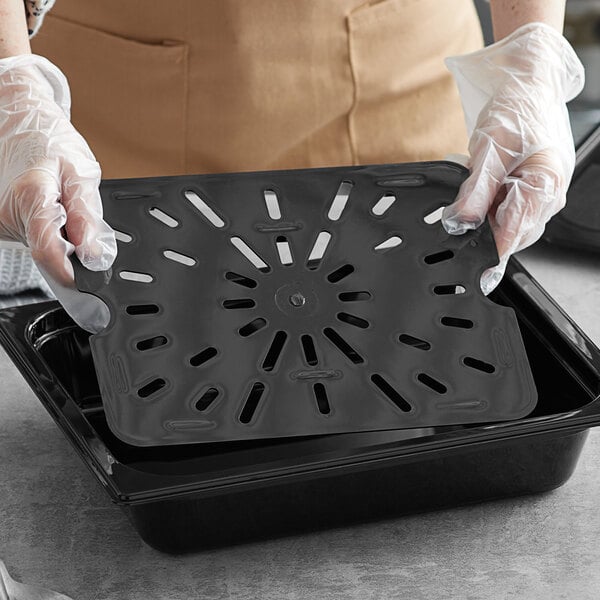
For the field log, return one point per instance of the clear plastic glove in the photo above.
(514, 96)
(49, 181)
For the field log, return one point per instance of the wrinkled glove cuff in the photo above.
(53, 75)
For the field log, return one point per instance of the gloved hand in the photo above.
(49, 180)
(522, 153)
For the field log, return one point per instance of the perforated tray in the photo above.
(283, 303)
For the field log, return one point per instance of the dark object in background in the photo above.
(578, 224)
(299, 302)
(189, 497)
(485, 18)
(582, 29)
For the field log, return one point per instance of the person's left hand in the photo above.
(514, 96)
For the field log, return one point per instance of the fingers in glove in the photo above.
(94, 240)
(477, 193)
(37, 195)
(491, 278)
(533, 193)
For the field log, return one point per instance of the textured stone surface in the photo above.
(58, 528)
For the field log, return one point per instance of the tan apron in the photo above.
(197, 86)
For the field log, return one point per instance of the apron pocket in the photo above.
(406, 106)
(128, 97)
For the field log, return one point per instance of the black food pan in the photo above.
(188, 497)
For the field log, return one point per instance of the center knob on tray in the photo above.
(297, 299)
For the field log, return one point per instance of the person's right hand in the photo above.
(49, 177)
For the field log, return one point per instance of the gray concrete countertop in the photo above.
(59, 529)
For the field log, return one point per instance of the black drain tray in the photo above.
(300, 302)
(187, 497)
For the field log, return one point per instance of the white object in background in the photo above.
(13, 590)
(18, 271)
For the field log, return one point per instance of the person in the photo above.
(184, 86)
(197, 87)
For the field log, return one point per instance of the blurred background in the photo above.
(582, 29)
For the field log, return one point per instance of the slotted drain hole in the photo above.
(250, 255)
(142, 309)
(274, 351)
(121, 236)
(318, 250)
(202, 357)
(239, 303)
(434, 216)
(437, 257)
(479, 365)
(151, 388)
(321, 398)
(272, 205)
(340, 273)
(154, 342)
(182, 259)
(136, 277)
(382, 205)
(391, 242)
(205, 210)
(340, 200)
(354, 296)
(414, 342)
(431, 383)
(457, 322)
(449, 289)
(310, 352)
(284, 250)
(205, 401)
(240, 279)
(352, 320)
(252, 402)
(391, 393)
(252, 327)
(163, 217)
(344, 347)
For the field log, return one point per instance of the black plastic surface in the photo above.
(208, 344)
(187, 497)
(577, 225)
